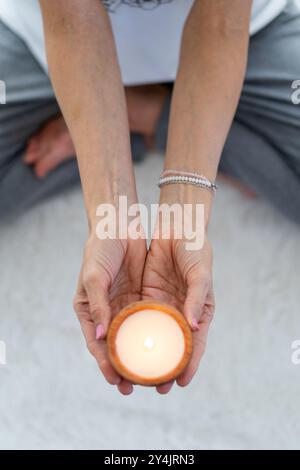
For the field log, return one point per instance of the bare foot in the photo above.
(145, 105)
(49, 147)
(52, 144)
(238, 185)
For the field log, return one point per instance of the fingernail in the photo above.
(99, 332)
(195, 323)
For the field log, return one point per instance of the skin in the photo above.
(53, 144)
(92, 98)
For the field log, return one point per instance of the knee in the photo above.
(292, 210)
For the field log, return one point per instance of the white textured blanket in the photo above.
(246, 392)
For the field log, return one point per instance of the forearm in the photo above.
(207, 89)
(87, 82)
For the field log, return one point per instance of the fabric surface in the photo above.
(147, 41)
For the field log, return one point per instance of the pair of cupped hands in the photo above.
(117, 272)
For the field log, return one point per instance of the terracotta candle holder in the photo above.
(149, 343)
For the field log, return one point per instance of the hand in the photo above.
(182, 278)
(110, 279)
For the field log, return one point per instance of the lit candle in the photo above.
(149, 343)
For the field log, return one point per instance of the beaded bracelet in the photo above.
(185, 177)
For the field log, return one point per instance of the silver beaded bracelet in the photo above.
(183, 177)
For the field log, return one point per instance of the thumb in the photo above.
(195, 301)
(99, 306)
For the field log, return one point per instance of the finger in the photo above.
(195, 301)
(199, 340)
(165, 388)
(125, 387)
(98, 349)
(97, 292)
(199, 345)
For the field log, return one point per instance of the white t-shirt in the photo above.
(148, 41)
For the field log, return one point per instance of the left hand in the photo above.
(110, 279)
(183, 279)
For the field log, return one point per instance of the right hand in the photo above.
(110, 278)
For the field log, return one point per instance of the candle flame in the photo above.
(149, 343)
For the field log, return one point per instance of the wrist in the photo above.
(113, 217)
(113, 193)
(188, 194)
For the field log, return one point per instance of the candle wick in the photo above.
(149, 343)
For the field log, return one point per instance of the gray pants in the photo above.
(262, 148)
